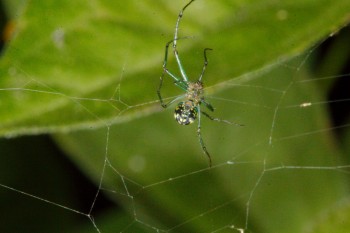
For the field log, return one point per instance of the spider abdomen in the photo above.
(186, 112)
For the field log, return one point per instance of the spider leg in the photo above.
(177, 81)
(179, 19)
(182, 70)
(165, 105)
(205, 64)
(220, 120)
(208, 105)
(201, 142)
(165, 62)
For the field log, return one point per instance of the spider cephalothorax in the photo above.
(195, 92)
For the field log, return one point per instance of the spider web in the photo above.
(287, 165)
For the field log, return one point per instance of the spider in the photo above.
(188, 110)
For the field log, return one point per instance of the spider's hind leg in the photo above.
(208, 105)
(201, 142)
(220, 120)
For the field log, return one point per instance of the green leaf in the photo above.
(91, 64)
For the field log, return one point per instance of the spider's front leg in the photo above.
(158, 91)
(165, 71)
(182, 83)
(165, 105)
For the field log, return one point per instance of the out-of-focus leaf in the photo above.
(92, 63)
